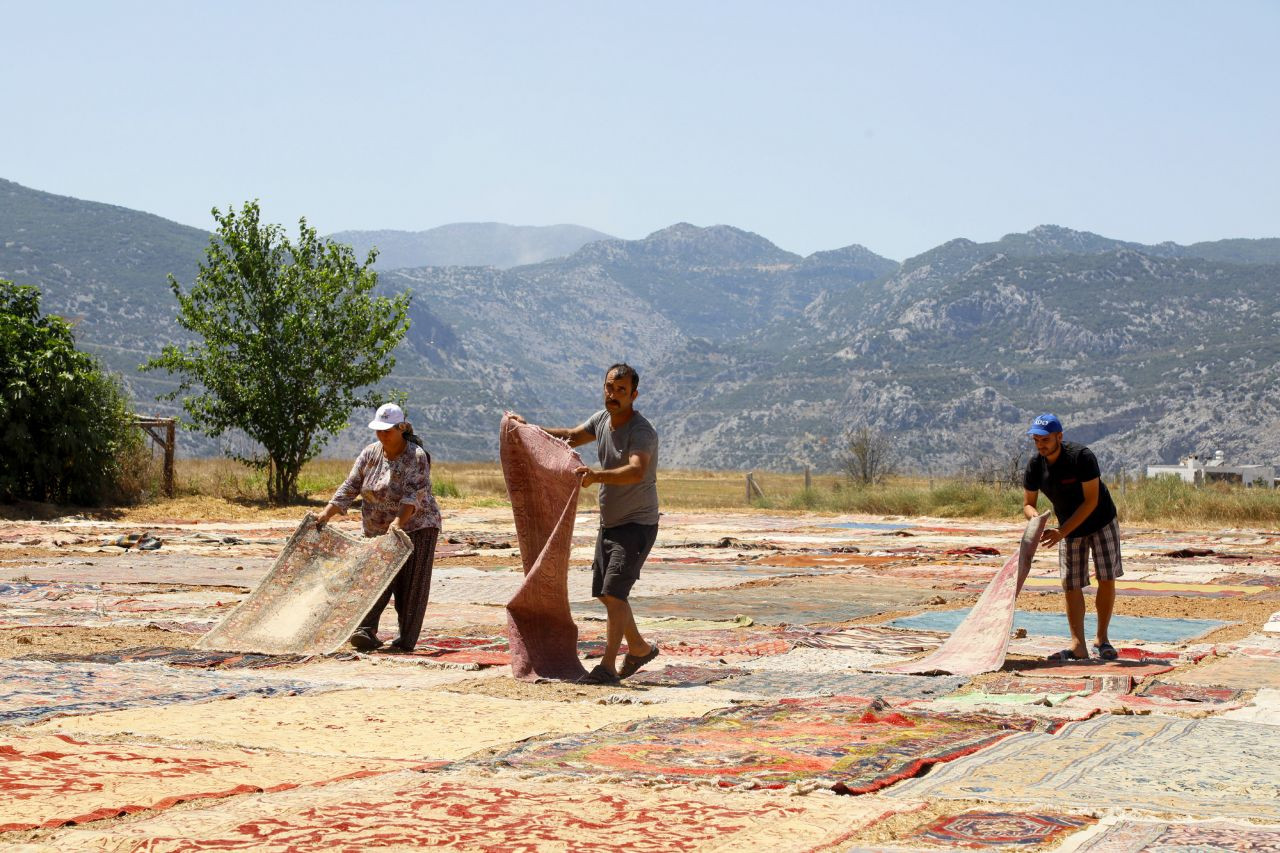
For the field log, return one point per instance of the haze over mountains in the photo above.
(752, 356)
(469, 244)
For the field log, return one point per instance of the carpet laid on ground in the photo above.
(852, 745)
(1122, 835)
(793, 601)
(317, 592)
(870, 639)
(1153, 629)
(1264, 708)
(381, 723)
(1244, 672)
(184, 658)
(731, 643)
(798, 682)
(460, 812)
(1195, 767)
(978, 644)
(684, 675)
(980, 829)
(51, 780)
(38, 690)
(544, 500)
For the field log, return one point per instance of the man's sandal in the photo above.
(631, 663)
(1106, 651)
(599, 675)
(1065, 655)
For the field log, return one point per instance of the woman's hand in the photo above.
(327, 513)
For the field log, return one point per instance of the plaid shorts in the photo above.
(1073, 557)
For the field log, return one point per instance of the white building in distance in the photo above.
(1192, 469)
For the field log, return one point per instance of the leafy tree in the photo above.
(869, 455)
(65, 425)
(288, 335)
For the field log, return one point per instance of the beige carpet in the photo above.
(381, 723)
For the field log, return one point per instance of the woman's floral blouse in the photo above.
(384, 485)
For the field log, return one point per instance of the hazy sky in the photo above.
(897, 125)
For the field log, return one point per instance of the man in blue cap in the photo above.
(1068, 475)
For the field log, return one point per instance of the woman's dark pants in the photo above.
(411, 588)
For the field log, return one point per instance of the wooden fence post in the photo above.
(168, 440)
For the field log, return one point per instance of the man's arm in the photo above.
(1090, 490)
(625, 475)
(578, 435)
(1029, 500)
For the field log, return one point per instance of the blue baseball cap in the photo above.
(1045, 424)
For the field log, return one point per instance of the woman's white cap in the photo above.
(387, 416)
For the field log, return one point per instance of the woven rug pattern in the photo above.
(999, 829)
(367, 722)
(978, 644)
(544, 501)
(38, 690)
(50, 780)
(317, 592)
(1133, 836)
(1197, 767)
(497, 815)
(852, 745)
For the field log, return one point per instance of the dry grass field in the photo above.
(222, 488)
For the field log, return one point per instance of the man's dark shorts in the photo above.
(620, 552)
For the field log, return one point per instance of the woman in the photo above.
(393, 478)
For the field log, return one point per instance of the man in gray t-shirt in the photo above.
(627, 447)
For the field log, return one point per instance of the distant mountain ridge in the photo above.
(755, 357)
(470, 244)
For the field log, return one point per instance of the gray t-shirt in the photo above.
(638, 502)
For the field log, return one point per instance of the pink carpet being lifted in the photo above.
(980, 642)
(544, 500)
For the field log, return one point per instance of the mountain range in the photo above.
(752, 356)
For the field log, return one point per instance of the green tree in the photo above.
(65, 424)
(288, 333)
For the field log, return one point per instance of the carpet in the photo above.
(1244, 672)
(146, 567)
(978, 644)
(891, 687)
(1152, 629)
(52, 780)
(734, 643)
(317, 592)
(1122, 835)
(1165, 588)
(818, 662)
(792, 601)
(1197, 693)
(500, 815)
(1094, 667)
(684, 674)
(405, 724)
(544, 501)
(998, 829)
(876, 639)
(38, 690)
(183, 658)
(852, 745)
(1264, 709)
(1197, 767)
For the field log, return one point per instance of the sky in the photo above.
(895, 125)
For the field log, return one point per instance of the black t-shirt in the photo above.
(1061, 481)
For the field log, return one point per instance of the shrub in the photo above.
(66, 431)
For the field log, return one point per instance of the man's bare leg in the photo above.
(621, 624)
(1105, 601)
(1075, 620)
